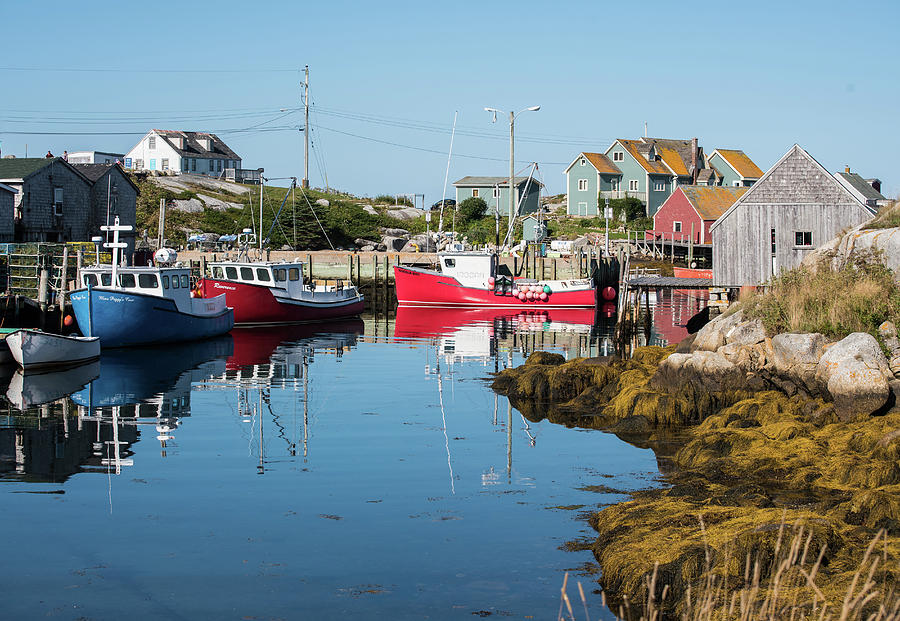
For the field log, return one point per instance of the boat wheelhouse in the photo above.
(478, 279)
(144, 305)
(264, 292)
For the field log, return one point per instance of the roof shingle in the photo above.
(711, 201)
(742, 164)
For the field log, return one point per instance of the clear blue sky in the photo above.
(386, 78)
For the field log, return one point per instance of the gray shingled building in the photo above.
(794, 208)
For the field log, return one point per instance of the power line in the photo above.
(426, 150)
(133, 70)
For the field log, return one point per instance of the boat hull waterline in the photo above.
(419, 287)
(256, 304)
(33, 349)
(123, 318)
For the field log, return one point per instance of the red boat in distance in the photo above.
(412, 322)
(265, 292)
(253, 346)
(469, 279)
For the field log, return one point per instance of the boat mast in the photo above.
(446, 175)
(260, 215)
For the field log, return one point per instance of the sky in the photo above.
(388, 78)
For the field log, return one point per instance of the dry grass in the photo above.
(857, 298)
(781, 580)
(887, 218)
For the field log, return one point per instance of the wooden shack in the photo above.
(794, 208)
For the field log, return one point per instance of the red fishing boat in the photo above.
(477, 279)
(264, 292)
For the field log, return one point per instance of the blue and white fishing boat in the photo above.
(144, 305)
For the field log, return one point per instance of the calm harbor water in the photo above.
(361, 468)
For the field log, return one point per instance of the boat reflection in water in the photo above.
(109, 401)
(278, 357)
(481, 333)
(28, 389)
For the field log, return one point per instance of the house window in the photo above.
(582, 184)
(219, 165)
(57, 201)
(193, 164)
(803, 239)
(184, 164)
(582, 209)
(676, 226)
(496, 192)
(151, 142)
(618, 156)
(633, 185)
(165, 163)
(736, 183)
(659, 186)
(475, 193)
(614, 184)
(139, 164)
(583, 161)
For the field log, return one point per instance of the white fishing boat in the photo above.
(32, 388)
(33, 348)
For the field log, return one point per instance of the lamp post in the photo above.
(512, 159)
(607, 213)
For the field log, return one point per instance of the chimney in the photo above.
(847, 169)
(694, 170)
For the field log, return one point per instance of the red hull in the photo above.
(256, 304)
(414, 322)
(422, 288)
(256, 345)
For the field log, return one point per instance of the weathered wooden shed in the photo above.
(795, 207)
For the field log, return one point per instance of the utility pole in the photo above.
(512, 120)
(306, 128)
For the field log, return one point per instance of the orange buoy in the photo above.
(68, 320)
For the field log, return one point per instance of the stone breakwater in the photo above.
(754, 434)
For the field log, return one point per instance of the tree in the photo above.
(631, 207)
(473, 208)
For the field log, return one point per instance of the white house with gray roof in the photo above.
(495, 192)
(198, 153)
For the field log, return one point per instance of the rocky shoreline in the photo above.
(791, 434)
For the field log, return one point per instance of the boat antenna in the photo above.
(446, 175)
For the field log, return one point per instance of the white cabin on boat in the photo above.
(173, 283)
(287, 276)
(471, 269)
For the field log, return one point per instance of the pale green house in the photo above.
(495, 192)
(734, 168)
(650, 169)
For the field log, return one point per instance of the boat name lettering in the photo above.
(221, 286)
(117, 299)
(469, 274)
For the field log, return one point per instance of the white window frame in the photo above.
(474, 192)
(634, 185)
(583, 162)
(614, 184)
(659, 186)
(151, 142)
(736, 183)
(496, 192)
(582, 185)
(164, 164)
(618, 156)
(676, 226)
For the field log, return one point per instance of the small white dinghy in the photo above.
(33, 348)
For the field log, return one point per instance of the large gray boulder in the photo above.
(395, 232)
(704, 370)
(857, 242)
(394, 244)
(795, 357)
(888, 333)
(712, 336)
(855, 373)
(746, 333)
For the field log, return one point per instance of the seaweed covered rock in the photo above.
(705, 370)
(712, 336)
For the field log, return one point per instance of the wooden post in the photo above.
(691, 247)
(554, 268)
(350, 268)
(42, 293)
(358, 275)
(79, 261)
(63, 282)
(202, 266)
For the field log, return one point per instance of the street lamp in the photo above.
(512, 120)
(607, 212)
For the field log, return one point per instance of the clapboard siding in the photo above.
(797, 194)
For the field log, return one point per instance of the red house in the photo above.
(693, 208)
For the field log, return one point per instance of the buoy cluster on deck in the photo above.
(525, 292)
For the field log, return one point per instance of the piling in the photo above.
(42, 293)
(63, 280)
